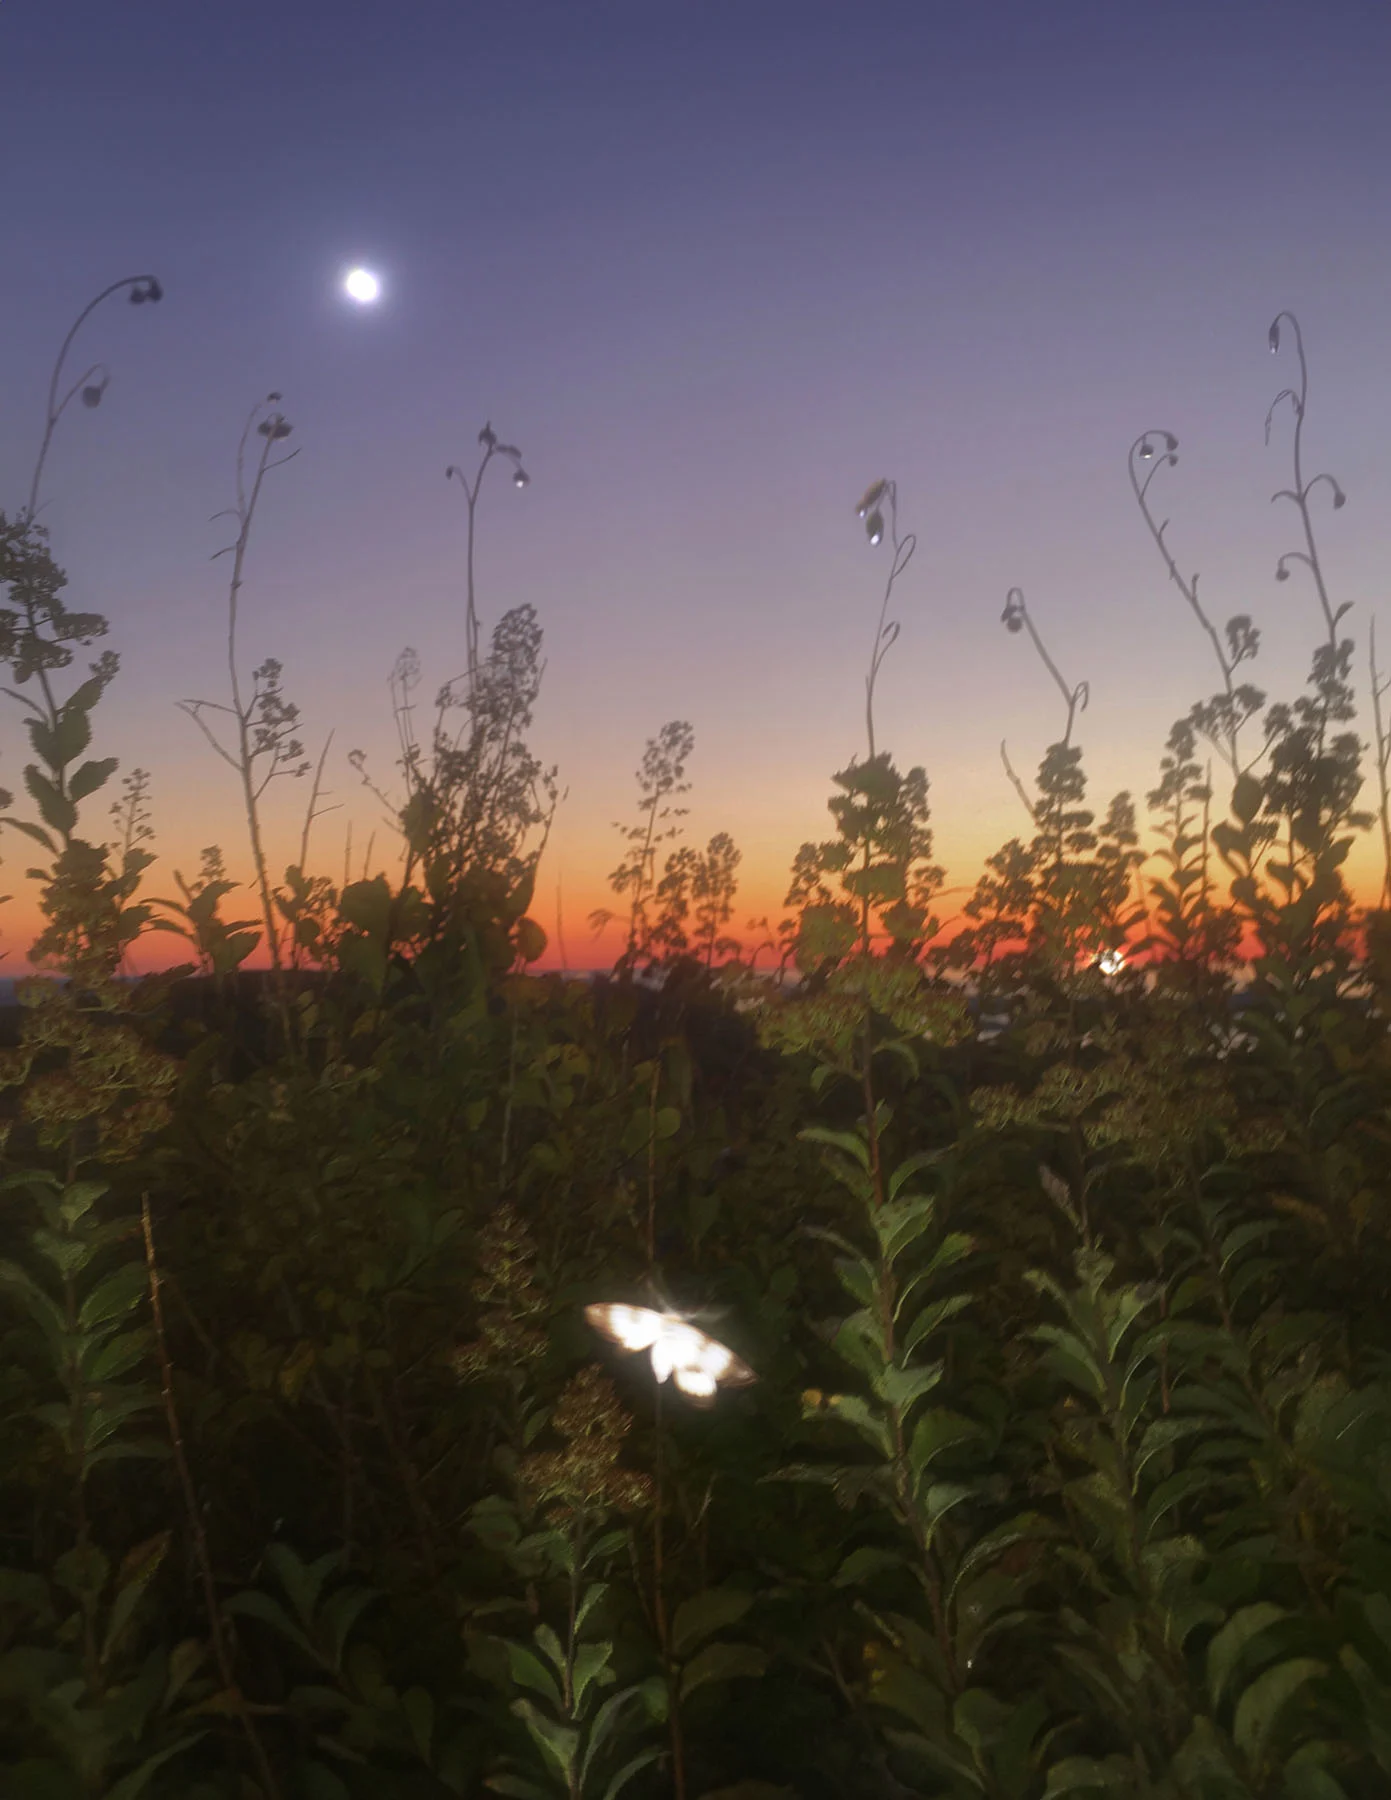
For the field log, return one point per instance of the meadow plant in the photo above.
(91, 385)
(1220, 719)
(702, 883)
(478, 805)
(263, 724)
(1060, 1249)
(1380, 686)
(661, 779)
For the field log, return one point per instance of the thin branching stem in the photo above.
(1300, 492)
(251, 743)
(1141, 453)
(886, 629)
(142, 288)
(1380, 688)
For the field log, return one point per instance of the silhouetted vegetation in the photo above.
(1060, 1245)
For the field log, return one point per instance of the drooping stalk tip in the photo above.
(1145, 450)
(142, 288)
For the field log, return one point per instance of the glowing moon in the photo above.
(362, 285)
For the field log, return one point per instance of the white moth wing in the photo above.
(698, 1387)
(698, 1364)
(701, 1364)
(630, 1327)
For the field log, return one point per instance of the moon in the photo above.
(362, 285)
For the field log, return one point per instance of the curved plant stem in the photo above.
(145, 285)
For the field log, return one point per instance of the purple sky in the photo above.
(713, 267)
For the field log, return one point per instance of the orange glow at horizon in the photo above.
(572, 943)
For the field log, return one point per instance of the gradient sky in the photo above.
(714, 267)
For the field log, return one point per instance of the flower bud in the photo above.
(873, 494)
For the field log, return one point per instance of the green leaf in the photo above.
(703, 1615)
(865, 1563)
(185, 1659)
(1259, 1708)
(1071, 1361)
(1085, 1774)
(131, 1786)
(135, 1574)
(858, 1278)
(127, 1450)
(953, 1247)
(303, 1582)
(633, 1766)
(120, 1293)
(56, 810)
(107, 1418)
(902, 1388)
(1307, 1779)
(91, 776)
(1172, 1492)
(529, 1671)
(1247, 798)
(985, 1606)
(859, 1341)
(721, 1661)
(1024, 1528)
(910, 1166)
(1228, 1644)
(902, 1222)
(932, 1316)
(557, 1741)
(119, 1354)
(1162, 1435)
(604, 1727)
(591, 1597)
(1130, 1303)
(589, 1666)
(940, 1498)
(39, 835)
(1243, 1236)
(850, 1409)
(41, 1307)
(938, 1430)
(339, 1614)
(849, 1143)
(72, 736)
(255, 1605)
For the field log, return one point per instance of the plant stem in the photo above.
(216, 1624)
(56, 407)
(659, 1607)
(1383, 759)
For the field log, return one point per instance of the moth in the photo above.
(698, 1364)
